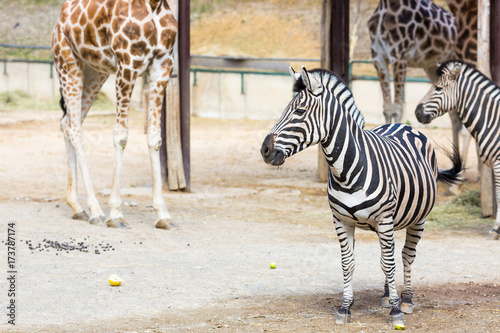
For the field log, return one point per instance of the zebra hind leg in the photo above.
(386, 239)
(495, 232)
(413, 236)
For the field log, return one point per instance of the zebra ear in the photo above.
(296, 76)
(312, 84)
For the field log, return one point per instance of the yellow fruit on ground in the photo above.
(114, 280)
(399, 327)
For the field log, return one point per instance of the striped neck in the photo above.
(478, 101)
(343, 146)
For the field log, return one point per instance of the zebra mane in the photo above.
(339, 89)
(448, 64)
(468, 67)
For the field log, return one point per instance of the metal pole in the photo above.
(184, 85)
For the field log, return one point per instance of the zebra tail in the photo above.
(455, 174)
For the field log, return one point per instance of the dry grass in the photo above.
(250, 30)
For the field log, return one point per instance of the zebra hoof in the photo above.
(166, 224)
(98, 220)
(385, 302)
(494, 235)
(406, 307)
(343, 317)
(82, 216)
(117, 223)
(397, 319)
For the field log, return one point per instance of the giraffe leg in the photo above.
(158, 79)
(71, 79)
(386, 239)
(413, 235)
(93, 82)
(124, 87)
(399, 68)
(345, 233)
(494, 233)
(382, 68)
(72, 197)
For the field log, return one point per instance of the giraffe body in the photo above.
(405, 34)
(91, 40)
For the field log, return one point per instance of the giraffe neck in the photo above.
(154, 4)
(391, 5)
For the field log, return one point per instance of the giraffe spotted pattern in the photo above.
(91, 40)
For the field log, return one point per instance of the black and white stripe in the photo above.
(477, 101)
(382, 179)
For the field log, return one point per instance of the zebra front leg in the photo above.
(385, 297)
(386, 239)
(494, 233)
(413, 236)
(345, 233)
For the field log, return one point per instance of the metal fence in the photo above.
(223, 64)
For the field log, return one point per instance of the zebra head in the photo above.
(298, 126)
(443, 95)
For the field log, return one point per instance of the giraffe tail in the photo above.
(454, 175)
(62, 104)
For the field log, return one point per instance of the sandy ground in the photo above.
(213, 273)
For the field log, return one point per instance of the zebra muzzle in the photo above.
(422, 117)
(269, 153)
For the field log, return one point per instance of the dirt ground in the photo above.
(213, 273)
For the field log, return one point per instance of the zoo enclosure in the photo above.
(223, 87)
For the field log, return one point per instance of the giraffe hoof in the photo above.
(166, 224)
(494, 235)
(98, 220)
(343, 317)
(117, 223)
(385, 302)
(82, 216)
(406, 307)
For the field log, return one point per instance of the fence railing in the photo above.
(219, 64)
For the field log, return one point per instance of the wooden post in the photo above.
(495, 41)
(488, 202)
(334, 51)
(172, 152)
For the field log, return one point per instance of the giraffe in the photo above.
(91, 40)
(465, 12)
(409, 33)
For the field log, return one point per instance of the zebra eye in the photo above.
(438, 88)
(299, 111)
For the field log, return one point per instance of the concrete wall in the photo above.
(219, 95)
(224, 95)
(36, 80)
(29, 77)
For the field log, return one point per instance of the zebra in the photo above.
(476, 98)
(381, 180)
